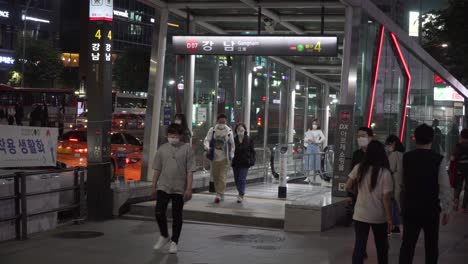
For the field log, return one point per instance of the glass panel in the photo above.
(299, 108)
(277, 116)
(257, 117)
(367, 46)
(204, 109)
(389, 93)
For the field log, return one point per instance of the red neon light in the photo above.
(437, 79)
(100, 19)
(408, 83)
(376, 76)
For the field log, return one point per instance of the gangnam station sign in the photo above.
(256, 45)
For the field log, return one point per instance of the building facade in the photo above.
(38, 19)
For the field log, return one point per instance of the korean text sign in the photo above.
(22, 146)
(256, 45)
(343, 149)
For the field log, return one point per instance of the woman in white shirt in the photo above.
(374, 185)
(313, 141)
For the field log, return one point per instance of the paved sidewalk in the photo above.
(130, 241)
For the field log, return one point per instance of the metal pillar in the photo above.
(285, 153)
(189, 84)
(155, 86)
(216, 111)
(247, 95)
(306, 107)
(350, 56)
(291, 105)
(99, 89)
(265, 122)
(326, 110)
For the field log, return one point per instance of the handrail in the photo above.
(20, 197)
(35, 173)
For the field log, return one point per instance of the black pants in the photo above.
(412, 226)
(162, 200)
(350, 209)
(462, 176)
(380, 239)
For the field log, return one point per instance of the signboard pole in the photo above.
(282, 188)
(343, 152)
(99, 91)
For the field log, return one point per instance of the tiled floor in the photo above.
(129, 241)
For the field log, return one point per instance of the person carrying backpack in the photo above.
(219, 144)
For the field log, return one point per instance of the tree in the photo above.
(131, 71)
(43, 65)
(444, 34)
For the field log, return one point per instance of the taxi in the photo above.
(126, 153)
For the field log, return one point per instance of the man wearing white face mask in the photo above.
(219, 144)
(173, 175)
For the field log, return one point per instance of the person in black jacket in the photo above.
(461, 171)
(244, 158)
(425, 196)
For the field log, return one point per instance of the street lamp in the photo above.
(444, 45)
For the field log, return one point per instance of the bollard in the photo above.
(282, 189)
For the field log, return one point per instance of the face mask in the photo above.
(179, 122)
(221, 126)
(240, 132)
(363, 142)
(314, 127)
(389, 148)
(173, 141)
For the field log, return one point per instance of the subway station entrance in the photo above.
(377, 77)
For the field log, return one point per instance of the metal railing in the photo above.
(298, 162)
(20, 196)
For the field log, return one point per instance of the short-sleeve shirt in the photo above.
(369, 205)
(173, 161)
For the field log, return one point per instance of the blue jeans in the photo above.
(312, 161)
(395, 213)
(240, 176)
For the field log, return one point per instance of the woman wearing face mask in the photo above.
(373, 181)
(313, 141)
(244, 158)
(181, 120)
(395, 152)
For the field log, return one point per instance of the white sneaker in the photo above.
(173, 248)
(240, 199)
(161, 242)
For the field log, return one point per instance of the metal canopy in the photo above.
(279, 17)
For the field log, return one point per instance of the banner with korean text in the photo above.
(22, 146)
